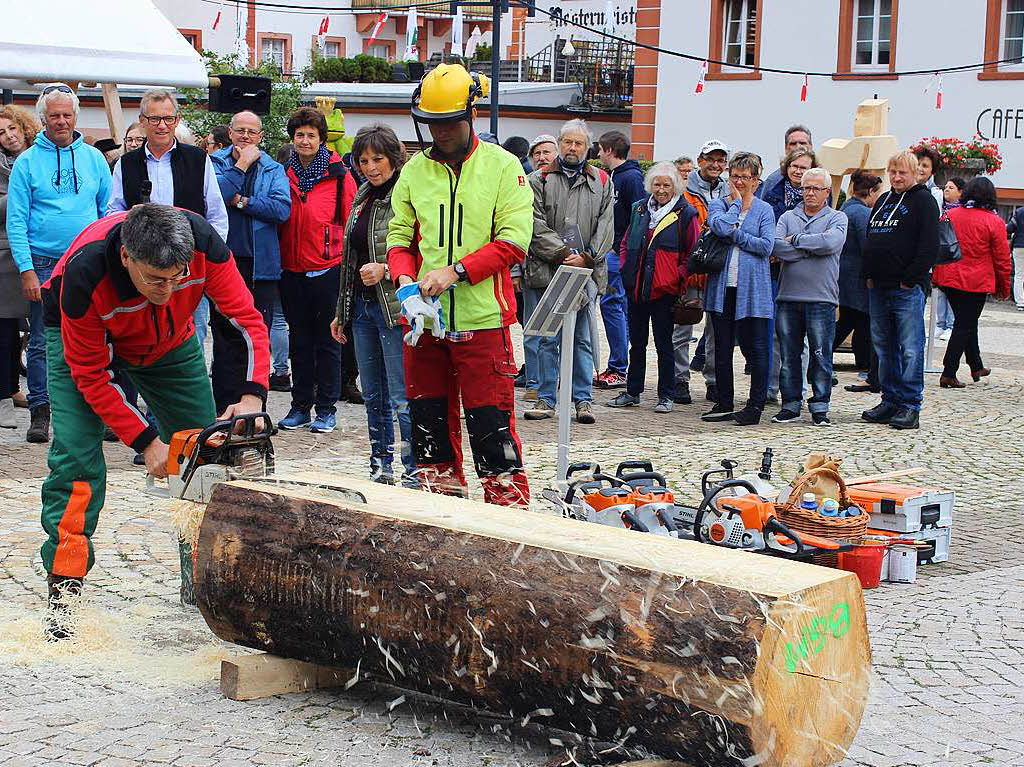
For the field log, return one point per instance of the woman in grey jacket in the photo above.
(18, 129)
(367, 298)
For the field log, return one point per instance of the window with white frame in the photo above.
(272, 49)
(380, 51)
(332, 50)
(740, 32)
(1013, 31)
(872, 34)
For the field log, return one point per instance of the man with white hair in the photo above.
(808, 241)
(58, 187)
(573, 224)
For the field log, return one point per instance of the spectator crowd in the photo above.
(406, 271)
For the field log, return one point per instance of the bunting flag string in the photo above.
(701, 76)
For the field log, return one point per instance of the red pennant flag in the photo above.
(216, 21)
(700, 77)
(324, 24)
(938, 95)
(803, 90)
(377, 27)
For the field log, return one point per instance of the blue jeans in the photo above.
(379, 356)
(279, 339)
(201, 318)
(815, 321)
(613, 312)
(943, 311)
(582, 362)
(897, 332)
(36, 354)
(531, 344)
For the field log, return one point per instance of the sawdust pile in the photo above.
(141, 644)
(186, 519)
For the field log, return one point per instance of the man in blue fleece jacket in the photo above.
(58, 187)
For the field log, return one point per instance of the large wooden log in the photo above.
(694, 652)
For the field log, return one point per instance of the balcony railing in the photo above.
(440, 7)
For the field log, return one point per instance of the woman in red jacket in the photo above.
(311, 246)
(662, 231)
(983, 269)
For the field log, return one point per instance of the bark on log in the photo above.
(692, 651)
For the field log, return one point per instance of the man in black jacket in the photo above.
(899, 251)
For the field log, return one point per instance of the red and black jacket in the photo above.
(312, 237)
(101, 315)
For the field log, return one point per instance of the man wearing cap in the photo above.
(463, 215)
(543, 151)
(702, 186)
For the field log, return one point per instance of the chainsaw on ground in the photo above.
(197, 459)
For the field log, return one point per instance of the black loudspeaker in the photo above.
(416, 70)
(237, 93)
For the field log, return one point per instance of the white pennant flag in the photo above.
(457, 25)
(412, 33)
(473, 42)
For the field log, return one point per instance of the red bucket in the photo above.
(866, 561)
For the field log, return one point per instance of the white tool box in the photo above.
(939, 537)
(904, 509)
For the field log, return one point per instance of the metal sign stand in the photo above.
(556, 312)
(929, 350)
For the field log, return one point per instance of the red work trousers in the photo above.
(480, 370)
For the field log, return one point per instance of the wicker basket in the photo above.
(845, 529)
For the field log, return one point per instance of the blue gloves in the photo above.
(417, 309)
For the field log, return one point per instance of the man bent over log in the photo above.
(122, 298)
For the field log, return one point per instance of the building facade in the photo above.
(863, 45)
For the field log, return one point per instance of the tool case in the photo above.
(904, 509)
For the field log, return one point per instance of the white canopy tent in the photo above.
(95, 41)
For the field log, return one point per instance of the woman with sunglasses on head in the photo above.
(18, 129)
(739, 297)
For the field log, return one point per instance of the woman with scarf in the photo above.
(18, 130)
(662, 230)
(311, 248)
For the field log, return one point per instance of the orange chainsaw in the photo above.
(197, 459)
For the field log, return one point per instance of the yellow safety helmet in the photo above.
(448, 92)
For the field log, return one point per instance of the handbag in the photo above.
(949, 245)
(687, 311)
(709, 254)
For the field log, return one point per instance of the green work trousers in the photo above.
(176, 388)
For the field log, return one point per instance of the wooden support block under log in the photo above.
(248, 677)
(694, 652)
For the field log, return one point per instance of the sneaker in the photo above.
(296, 419)
(682, 394)
(711, 395)
(280, 382)
(39, 429)
(820, 419)
(610, 379)
(786, 416)
(718, 413)
(351, 394)
(664, 406)
(624, 399)
(530, 395)
(323, 423)
(585, 412)
(905, 418)
(748, 416)
(862, 387)
(880, 413)
(519, 381)
(539, 411)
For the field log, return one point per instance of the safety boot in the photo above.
(61, 591)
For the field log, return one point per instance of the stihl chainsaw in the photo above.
(197, 459)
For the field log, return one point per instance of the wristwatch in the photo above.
(240, 204)
(460, 270)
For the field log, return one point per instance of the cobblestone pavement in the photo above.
(140, 687)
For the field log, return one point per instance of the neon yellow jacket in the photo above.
(481, 216)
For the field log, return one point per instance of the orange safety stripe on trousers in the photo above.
(72, 556)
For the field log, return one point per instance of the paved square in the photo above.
(140, 688)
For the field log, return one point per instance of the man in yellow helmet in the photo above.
(463, 215)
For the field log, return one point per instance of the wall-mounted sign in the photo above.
(997, 123)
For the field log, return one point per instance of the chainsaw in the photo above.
(197, 459)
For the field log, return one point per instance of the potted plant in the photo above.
(965, 159)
